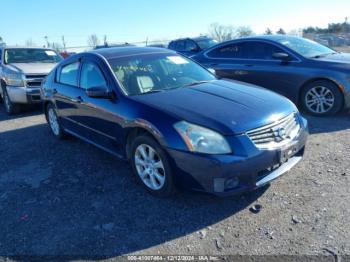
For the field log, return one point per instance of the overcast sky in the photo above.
(134, 20)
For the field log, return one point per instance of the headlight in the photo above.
(202, 140)
(13, 79)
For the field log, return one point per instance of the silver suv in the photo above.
(22, 69)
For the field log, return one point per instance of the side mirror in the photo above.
(281, 56)
(195, 49)
(99, 92)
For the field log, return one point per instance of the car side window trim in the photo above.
(59, 71)
(297, 59)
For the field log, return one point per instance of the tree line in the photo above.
(332, 28)
(217, 31)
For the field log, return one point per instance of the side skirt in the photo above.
(94, 144)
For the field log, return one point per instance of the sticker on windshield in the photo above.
(177, 60)
(50, 53)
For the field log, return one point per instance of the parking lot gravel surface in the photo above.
(69, 198)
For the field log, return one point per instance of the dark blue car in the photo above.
(174, 121)
(191, 46)
(314, 77)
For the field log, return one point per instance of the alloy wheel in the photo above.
(319, 99)
(53, 121)
(149, 167)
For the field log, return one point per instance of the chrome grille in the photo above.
(276, 134)
(34, 80)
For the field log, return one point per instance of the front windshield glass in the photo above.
(31, 55)
(148, 73)
(306, 48)
(206, 43)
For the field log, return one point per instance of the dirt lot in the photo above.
(69, 198)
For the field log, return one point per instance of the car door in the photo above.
(67, 95)
(99, 115)
(264, 70)
(228, 61)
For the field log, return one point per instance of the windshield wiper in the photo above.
(152, 91)
(323, 55)
(196, 83)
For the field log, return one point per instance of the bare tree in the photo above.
(244, 31)
(268, 31)
(29, 42)
(222, 32)
(281, 32)
(93, 40)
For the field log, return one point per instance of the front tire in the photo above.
(10, 108)
(322, 98)
(53, 121)
(151, 166)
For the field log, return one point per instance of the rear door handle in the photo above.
(78, 100)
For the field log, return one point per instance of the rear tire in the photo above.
(151, 167)
(322, 98)
(10, 108)
(53, 122)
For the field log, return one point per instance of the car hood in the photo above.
(336, 58)
(32, 68)
(229, 107)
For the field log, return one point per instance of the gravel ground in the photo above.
(70, 198)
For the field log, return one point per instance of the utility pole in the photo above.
(64, 44)
(105, 40)
(47, 41)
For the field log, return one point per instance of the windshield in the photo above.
(157, 72)
(30, 55)
(305, 47)
(206, 43)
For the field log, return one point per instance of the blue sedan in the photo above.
(175, 122)
(313, 76)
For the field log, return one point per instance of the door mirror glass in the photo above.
(281, 56)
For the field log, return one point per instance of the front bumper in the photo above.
(256, 168)
(23, 94)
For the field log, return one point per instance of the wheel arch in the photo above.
(311, 80)
(136, 131)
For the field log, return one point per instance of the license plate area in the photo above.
(286, 153)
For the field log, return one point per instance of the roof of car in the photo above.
(23, 47)
(115, 52)
(198, 38)
(270, 37)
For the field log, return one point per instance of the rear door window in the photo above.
(180, 46)
(260, 51)
(190, 45)
(69, 74)
(228, 51)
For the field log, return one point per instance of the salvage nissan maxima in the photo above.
(175, 122)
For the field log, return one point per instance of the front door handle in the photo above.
(240, 72)
(78, 100)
